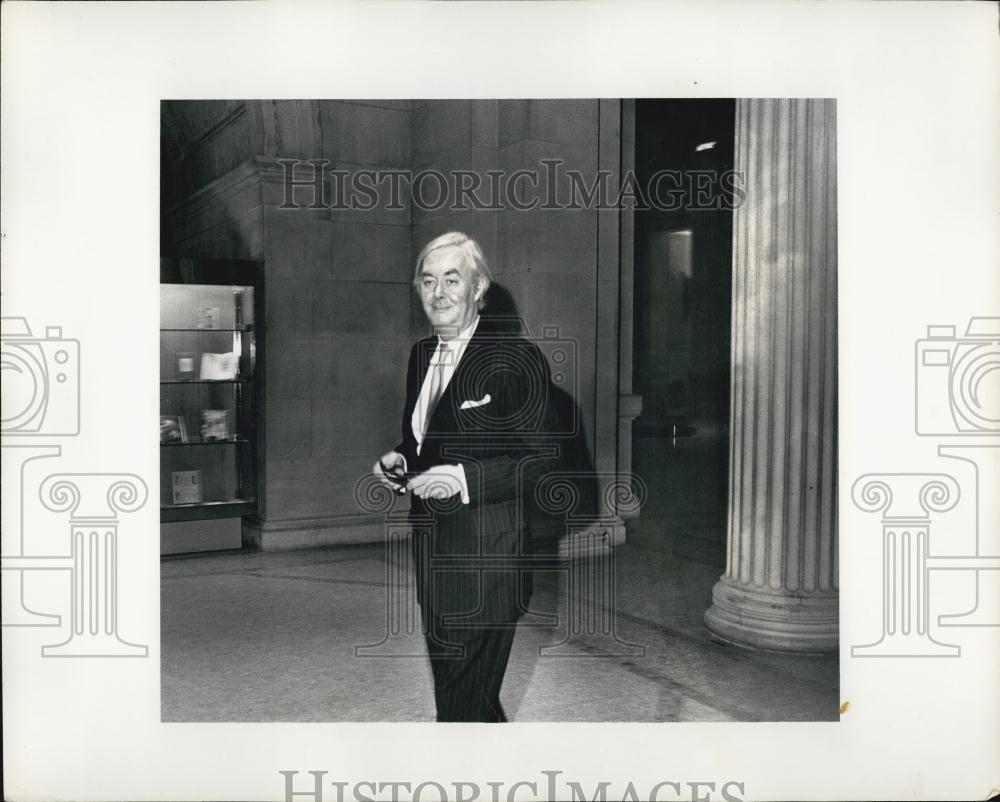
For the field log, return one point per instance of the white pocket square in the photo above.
(470, 403)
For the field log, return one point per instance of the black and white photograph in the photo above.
(541, 421)
(624, 373)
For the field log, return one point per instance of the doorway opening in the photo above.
(683, 293)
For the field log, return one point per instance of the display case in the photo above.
(208, 392)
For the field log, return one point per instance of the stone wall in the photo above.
(340, 314)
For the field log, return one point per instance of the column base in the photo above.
(100, 645)
(776, 621)
(911, 645)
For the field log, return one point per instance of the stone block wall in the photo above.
(340, 313)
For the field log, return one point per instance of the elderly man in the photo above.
(476, 428)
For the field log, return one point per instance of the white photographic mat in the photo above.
(918, 158)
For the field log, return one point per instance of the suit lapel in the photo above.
(443, 419)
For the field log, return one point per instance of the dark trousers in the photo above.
(468, 666)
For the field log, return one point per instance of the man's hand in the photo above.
(441, 481)
(391, 465)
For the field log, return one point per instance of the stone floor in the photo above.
(272, 636)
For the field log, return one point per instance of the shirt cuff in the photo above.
(456, 472)
(460, 475)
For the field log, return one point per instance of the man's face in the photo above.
(449, 291)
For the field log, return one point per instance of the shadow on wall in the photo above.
(501, 309)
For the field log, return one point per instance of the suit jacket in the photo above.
(496, 418)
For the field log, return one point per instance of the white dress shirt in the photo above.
(449, 353)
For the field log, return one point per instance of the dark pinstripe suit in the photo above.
(467, 555)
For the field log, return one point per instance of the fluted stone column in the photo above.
(779, 591)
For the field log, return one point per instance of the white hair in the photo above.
(473, 255)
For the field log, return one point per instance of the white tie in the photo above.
(437, 383)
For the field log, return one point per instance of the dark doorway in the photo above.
(683, 291)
